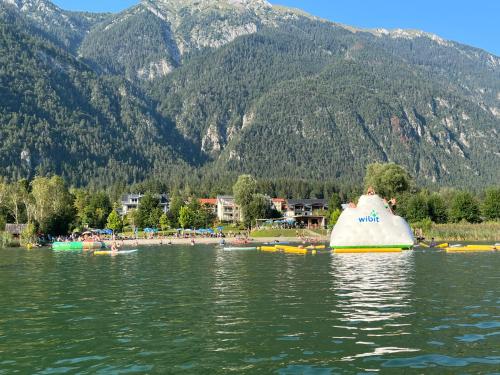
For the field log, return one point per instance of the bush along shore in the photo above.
(489, 231)
(50, 207)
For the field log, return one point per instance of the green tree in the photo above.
(2, 223)
(175, 206)
(28, 236)
(164, 222)
(333, 217)
(82, 199)
(16, 198)
(258, 208)
(335, 202)
(53, 205)
(98, 209)
(185, 217)
(464, 207)
(147, 205)
(153, 220)
(438, 211)
(491, 204)
(132, 218)
(417, 208)
(387, 180)
(114, 222)
(244, 190)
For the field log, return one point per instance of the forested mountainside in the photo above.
(222, 87)
(58, 116)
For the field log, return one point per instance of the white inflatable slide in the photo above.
(371, 225)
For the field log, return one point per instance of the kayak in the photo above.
(239, 248)
(108, 252)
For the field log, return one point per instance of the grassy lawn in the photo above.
(489, 231)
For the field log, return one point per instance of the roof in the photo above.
(278, 200)
(208, 201)
(15, 228)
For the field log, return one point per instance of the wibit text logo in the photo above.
(372, 218)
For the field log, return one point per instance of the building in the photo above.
(210, 204)
(309, 213)
(131, 202)
(15, 229)
(279, 204)
(227, 209)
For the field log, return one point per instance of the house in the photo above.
(279, 204)
(227, 209)
(210, 204)
(309, 213)
(131, 202)
(15, 229)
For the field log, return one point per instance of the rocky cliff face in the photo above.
(276, 92)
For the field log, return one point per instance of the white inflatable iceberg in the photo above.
(371, 225)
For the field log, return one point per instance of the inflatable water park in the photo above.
(371, 226)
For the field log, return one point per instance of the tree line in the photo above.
(49, 206)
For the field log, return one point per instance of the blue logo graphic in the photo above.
(372, 218)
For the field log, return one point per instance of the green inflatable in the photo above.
(77, 246)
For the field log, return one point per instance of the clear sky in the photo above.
(473, 22)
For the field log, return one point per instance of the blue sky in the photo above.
(476, 23)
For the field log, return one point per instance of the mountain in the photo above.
(68, 29)
(153, 38)
(232, 86)
(326, 106)
(57, 115)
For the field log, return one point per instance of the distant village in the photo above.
(304, 213)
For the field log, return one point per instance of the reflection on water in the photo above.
(373, 287)
(374, 301)
(201, 310)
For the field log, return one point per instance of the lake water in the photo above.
(198, 310)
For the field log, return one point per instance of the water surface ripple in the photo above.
(201, 310)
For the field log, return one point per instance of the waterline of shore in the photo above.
(209, 241)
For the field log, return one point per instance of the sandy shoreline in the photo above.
(207, 241)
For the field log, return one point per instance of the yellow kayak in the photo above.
(443, 245)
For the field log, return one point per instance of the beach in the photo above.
(208, 241)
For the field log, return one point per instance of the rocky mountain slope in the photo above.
(57, 115)
(244, 86)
